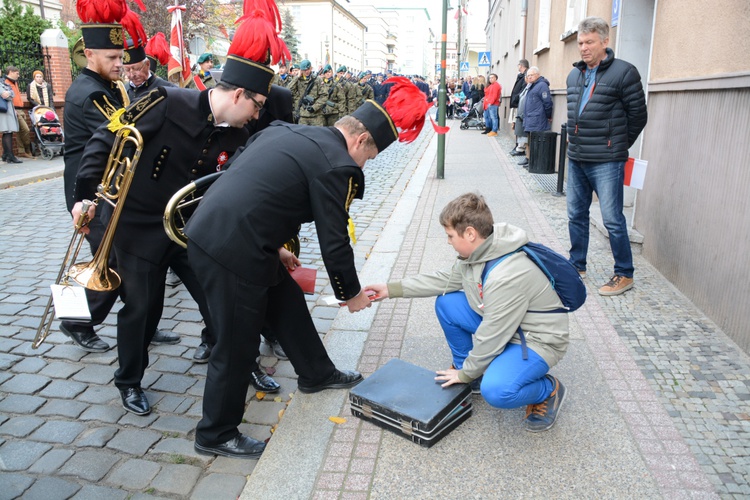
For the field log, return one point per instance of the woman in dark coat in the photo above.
(40, 92)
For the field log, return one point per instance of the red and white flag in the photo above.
(635, 173)
(179, 63)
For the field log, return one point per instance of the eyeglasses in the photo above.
(134, 68)
(259, 105)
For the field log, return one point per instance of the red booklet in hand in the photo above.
(305, 278)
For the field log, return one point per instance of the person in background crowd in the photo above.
(310, 96)
(24, 137)
(8, 123)
(364, 89)
(492, 105)
(203, 79)
(282, 78)
(515, 95)
(466, 88)
(335, 93)
(537, 113)
(606, 114)
(40, 92)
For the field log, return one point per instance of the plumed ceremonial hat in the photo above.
(256, 44)
(304, 65)
(157, 50)
(133, 54)
(404, 110)
(101, 28)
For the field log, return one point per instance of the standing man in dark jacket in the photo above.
(606, 113)
(537, 110)
(137, 67)
(515, 96)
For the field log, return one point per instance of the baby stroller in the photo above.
(475, 117)
(48, 131)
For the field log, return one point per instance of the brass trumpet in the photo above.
(114, 187)
(182, 204)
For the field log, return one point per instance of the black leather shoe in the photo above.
(161, 337)
(134, 400)
(486, 131)
(341, 379)
(202, 352)
(237, 447)
(13, 159)
(84, 337)
(263, 382)
(172, 279)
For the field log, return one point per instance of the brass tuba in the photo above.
(183, 203)
(116, 180)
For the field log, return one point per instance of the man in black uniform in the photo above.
(233, 237)
(138, 70)
(93, 98)
(187, 134)
(90, 101)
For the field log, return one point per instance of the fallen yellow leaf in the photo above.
(337, 420)
(260, 395)
(277, 399)
(281, 414)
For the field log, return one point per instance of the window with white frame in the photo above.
(543, 26)
(574, 14)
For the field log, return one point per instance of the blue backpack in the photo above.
(563, 277)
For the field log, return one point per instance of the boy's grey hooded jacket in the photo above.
(511, 289)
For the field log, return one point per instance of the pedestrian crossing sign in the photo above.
(464, 67)
(484, 59)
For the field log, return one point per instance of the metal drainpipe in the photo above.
(522, 46)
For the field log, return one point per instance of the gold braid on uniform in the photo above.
(132, 114)
(349, 198)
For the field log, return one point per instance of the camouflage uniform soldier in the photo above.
(282, 78)
(364, 89)
(336, 97)
(349, 90)
(309, 96)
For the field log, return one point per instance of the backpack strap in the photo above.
(489, 266)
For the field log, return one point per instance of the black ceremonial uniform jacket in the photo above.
(181, 143)
(90, 101)
(259, 203)
(153, 82)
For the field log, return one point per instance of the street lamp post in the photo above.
(442, 94)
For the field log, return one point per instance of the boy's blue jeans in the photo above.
(509, 381)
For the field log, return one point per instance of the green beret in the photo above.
(295, 66)
(327, 67)
(205, 57)
(305, 65)
(362, 75)
(342, 69)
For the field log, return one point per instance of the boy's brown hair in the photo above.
(469, 209)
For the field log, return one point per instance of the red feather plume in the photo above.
(257, 39)
(158, 47)
(269, 7)
(407, 106)
(101, 11)
(131, 23)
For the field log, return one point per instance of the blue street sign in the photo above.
(437, 68)
(464, 67)
(484, 59)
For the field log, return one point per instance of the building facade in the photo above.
(693, 212)
(328, 33)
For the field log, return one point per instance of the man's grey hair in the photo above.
(533, 70)
(594, 25)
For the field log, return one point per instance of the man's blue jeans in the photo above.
(606, 180)
(509, 381)
(491, 118)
